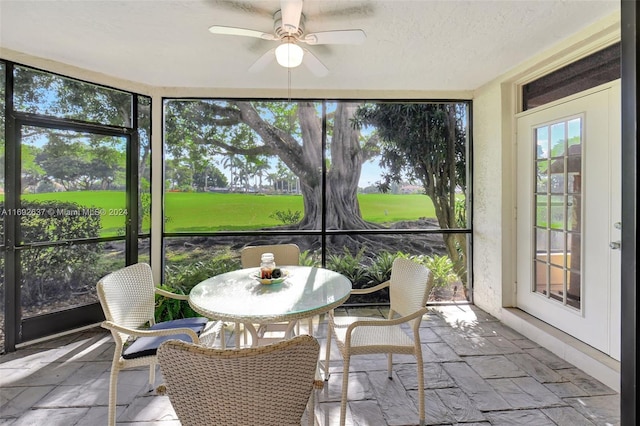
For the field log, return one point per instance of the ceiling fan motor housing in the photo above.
(283, 32)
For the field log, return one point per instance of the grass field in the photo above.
(193, 212)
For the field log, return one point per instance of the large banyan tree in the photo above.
(415, 141)
(294, 133)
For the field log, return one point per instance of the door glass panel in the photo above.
(72, 185)
(541, 283)
(542, 176)
(558, 211)
(542, 143)
(557, 140)
(63, 277)
(542, 211)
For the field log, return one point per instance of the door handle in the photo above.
(615, 245)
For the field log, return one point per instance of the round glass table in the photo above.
(238, 296)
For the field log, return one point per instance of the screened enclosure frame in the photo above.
(17, 328)
(15, 119)
(324, 232)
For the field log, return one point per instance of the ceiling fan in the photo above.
(288, 30)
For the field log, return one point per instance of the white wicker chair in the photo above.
(409, 288)
(266, 385)
(284, 254)
(127, 297)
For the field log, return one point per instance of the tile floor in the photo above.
(477, 372)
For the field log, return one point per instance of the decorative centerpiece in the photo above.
(277, 276)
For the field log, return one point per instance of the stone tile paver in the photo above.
(477, 372)
(459, 405)
(601, 410)
(525, 392)
(494, 366)
(391, 397)
(586, 382)
(520, 417)
(535, 368)
(482, 395)
(439, 352)
(566, 416)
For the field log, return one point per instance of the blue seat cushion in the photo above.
(147, 346)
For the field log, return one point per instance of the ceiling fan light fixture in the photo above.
(289, 55)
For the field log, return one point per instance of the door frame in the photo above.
(612, 343)
(17, 329)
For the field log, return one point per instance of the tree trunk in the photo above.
(342, 208)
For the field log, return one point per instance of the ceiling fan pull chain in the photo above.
(289, 84)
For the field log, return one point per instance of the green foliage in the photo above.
(181, 277)
(287, 217)
(144, 212)
(55, 273)
(380, 269)
(185, 276)
(461, 212)
(168, 309)
(309, 258)
(349, 265)
(442, 269)
(75, 164)
(108, 201)
(424, 143)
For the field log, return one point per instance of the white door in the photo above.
(568, 213)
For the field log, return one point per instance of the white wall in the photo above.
(494, 174)
(488, 187)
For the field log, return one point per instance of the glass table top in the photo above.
(239, 296)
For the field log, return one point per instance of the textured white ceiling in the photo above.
(411, 45)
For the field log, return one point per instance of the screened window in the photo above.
(353, 183)
(40, 92)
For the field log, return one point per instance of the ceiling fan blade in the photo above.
(291, 12)
(263, 61)
(218, 29)
(336, 37)
(313, 63)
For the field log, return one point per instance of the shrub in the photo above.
(380, 270)
(181, 278)
(288, 217)
(167, 309)
(442, 269)
(309, 258)
(350, 266)
(54, 273)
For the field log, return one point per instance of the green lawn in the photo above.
(192, 212)
(112, 203)
(188, 212)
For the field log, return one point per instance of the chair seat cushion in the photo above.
(372, 338)
(147, 346)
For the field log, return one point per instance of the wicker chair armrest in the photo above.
(385, 322)
(171, 295)
(370, 289)
(149, 333)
